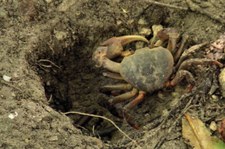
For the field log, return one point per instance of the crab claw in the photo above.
(115, 44)
(99, 55)
(170, 34)
(112, 48)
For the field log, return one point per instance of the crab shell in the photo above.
(148, 69)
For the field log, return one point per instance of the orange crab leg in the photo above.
(123, 97)
(180, 75)
(135, 101)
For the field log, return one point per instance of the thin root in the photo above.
(48, 61)
(105, 118)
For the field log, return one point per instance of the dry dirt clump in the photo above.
(46, 69)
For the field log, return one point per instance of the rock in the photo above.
(222, 82)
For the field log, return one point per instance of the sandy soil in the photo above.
(46, 48)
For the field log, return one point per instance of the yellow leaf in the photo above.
(195, 131)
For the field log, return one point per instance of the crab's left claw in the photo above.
(115, 44)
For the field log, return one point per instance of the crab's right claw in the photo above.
(115, 44)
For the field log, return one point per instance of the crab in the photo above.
(145, 70)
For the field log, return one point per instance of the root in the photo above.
(105, 118)
(50, 63)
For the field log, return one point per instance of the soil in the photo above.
(46, 70)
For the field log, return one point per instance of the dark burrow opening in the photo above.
(71, 83)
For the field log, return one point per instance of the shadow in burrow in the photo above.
(71, 83)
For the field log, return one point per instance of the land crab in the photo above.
(150, 68)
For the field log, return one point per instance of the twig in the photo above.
(50, 99)
(166, 5)
(187, 106)
(105, 118)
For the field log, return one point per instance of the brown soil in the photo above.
(46, 49)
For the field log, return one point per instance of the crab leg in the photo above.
(112, 75)
(110, 65)
(180, 75)
(198, 61)
(115, 44)
(123, 97)
(181, 48)
(124, 86)
(187, 53)
(135, 101)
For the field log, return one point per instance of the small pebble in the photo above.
(48, 1)
(142, 22)
(213, 126)
(215, 98)
(145, 31)
(13, 115)
(53, 138)
(7, 78)
(60, 35)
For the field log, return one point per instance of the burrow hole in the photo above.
(72, 83)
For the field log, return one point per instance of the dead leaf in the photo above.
(195, 131)
(222, 129)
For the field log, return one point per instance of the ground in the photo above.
(46, 49)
